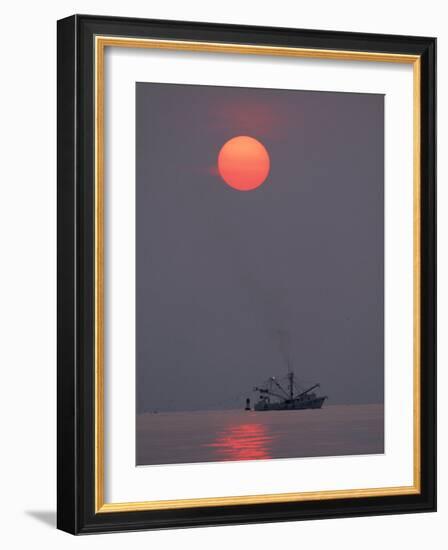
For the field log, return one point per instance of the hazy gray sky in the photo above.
(220, 272)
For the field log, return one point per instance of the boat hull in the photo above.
(296, 405)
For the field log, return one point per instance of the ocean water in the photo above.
(232, 435)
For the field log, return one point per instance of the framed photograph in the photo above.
(246, 274)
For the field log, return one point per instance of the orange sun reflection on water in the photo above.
(242, 442)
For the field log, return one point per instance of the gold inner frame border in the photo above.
(100, 43)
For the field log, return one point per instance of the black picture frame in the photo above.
(76, 512)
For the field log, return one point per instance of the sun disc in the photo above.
(243, 163)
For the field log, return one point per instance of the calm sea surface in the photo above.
(213, 436)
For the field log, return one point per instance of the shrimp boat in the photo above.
(273, 396)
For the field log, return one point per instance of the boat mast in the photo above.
(291, 383)
(290, 371)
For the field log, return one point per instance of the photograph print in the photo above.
(259, 274)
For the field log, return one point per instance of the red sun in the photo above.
(243, 163)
